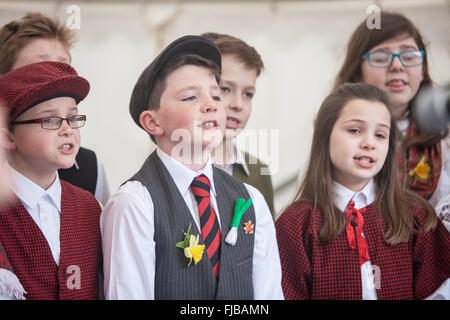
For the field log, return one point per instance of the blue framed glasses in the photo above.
(384, 59)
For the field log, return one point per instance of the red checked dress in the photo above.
(332, 270)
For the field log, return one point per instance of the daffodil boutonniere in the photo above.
(192, 250)
(421, 171)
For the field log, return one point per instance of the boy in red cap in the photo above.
(35, 38)
(50, 229)
(165, 233)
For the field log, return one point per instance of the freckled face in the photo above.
(190, 106)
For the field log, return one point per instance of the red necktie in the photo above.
(208, 220)
(355, 219)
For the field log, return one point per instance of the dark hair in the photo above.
(363, 40)
(391, 195)
(213, 36)
(174, 64)
(234, 46)
(18, 33)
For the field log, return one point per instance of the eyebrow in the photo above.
(55, 110)
(361, 121)
(232, 83)
(196, 87)
(403, 46)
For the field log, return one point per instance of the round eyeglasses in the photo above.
(384, 59)
(54, 123)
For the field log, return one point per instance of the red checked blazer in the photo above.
(331, 270)
(30, 255)
(4, 262)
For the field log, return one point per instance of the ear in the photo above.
(7, 140)
(149, 121)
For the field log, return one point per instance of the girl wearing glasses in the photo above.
(394, 59)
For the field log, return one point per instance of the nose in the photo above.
(368, 143)
(396, 64)
(236, 103)
(210, 105)
(65, 128)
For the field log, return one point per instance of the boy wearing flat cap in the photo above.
(181, 228)
(49, 229)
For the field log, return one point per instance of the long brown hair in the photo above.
(392, 197)
(363, 40)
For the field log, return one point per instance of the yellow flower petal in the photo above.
(196, 252)
(421, 171)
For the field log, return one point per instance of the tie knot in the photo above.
(200, 186)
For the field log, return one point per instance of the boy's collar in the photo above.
(182, 175)
(342, 195)
(237, 157)
(30, 193)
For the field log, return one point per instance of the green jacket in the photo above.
(262, 182)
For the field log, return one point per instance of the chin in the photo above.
(66, 165)
(210, 145)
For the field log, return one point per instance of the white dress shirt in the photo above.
(101, 193)
(235, 157)
(127, 226)
(341, 197)
(44, 206)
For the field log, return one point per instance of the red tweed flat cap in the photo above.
(25, 87)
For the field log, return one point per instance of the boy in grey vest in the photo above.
(181, 228)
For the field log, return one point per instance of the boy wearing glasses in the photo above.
(35, 38)
(50, 229)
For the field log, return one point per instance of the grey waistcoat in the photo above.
(173, 278)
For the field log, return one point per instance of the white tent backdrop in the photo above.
(302, 44)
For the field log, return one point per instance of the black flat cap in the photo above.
(182, 46)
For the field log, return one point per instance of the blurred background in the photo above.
(302, 44)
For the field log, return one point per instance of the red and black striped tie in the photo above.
(208, 220)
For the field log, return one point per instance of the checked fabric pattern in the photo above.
(29, 85)
(208, 220)
(4, 263)
(314, 269)
(30, 255)
(433, 156)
